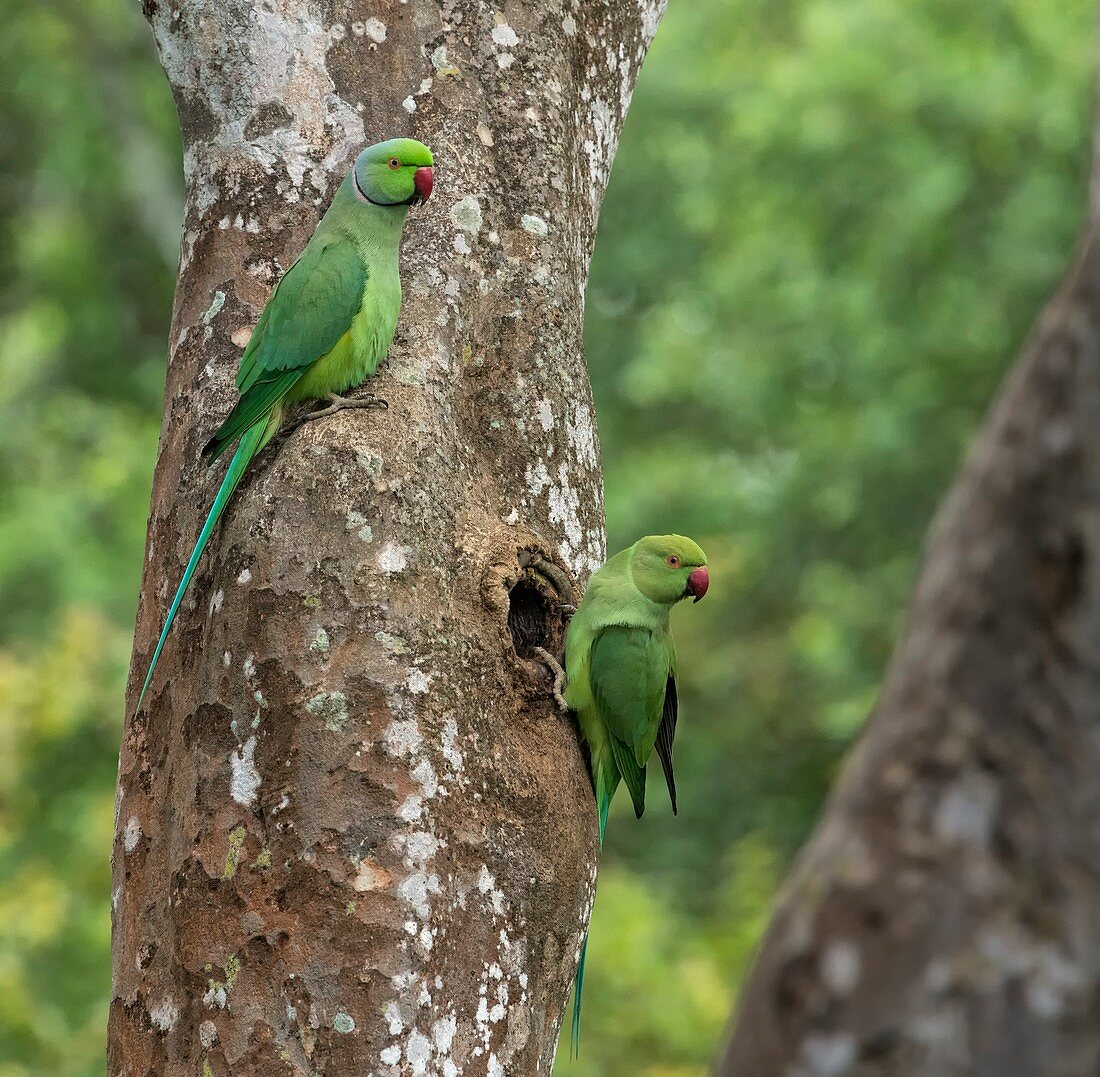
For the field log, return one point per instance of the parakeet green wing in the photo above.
(629, 669)
(312, 308)
(666, 733)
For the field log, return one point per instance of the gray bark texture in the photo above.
(354, 834)
(944, 919)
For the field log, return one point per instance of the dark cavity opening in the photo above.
(532, 619)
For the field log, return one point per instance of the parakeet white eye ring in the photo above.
(673, 561)
(394, 163)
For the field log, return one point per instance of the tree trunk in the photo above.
(945, 917)
(354, 834)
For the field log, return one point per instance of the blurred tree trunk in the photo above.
(945, 917)
(353, 835)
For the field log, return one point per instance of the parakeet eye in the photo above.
(673, 561)
(394, 163)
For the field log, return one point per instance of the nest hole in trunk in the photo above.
(535, 618)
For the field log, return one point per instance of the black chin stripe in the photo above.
(367, 198)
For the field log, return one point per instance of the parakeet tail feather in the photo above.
(253, 440)
(578, 987)
(604, 805)
(603, 802)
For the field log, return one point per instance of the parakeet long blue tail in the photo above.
(604, 803)
(578, 987)
(252, 441)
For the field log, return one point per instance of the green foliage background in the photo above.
(829, 228)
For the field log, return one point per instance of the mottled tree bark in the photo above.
(945, 917)
(354, 835)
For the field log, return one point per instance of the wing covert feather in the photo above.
(311, 308)
(309, 311)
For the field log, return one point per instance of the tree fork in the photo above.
(354, 836)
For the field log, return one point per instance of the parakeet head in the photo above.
(667, 568)
(394, 173)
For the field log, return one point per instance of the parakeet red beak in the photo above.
(423, 181)
(698, 582)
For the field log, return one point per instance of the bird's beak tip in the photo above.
(423, 182)
(698, 582)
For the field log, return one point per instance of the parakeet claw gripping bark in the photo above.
(339, 403)
(558, 580)
(327, 325)
(557, 673)
(621, 674)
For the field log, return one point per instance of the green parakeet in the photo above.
(620, 667)
(328, 324)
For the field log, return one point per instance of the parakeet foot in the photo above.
(553, 665)
(340, 403)
(559, 581)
